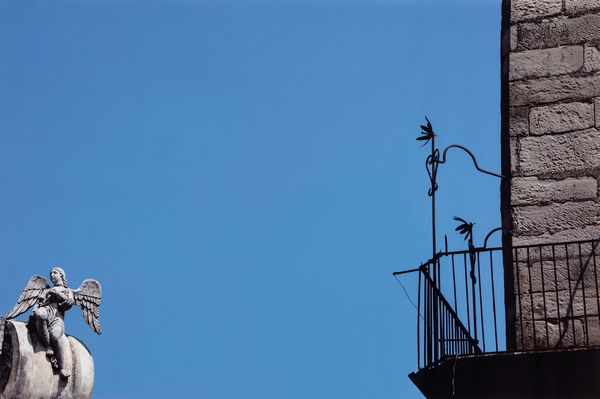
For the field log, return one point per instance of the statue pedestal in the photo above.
(26, 372)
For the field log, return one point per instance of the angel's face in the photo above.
(56, 277)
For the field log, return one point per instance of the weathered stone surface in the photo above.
(592, 324)
(514, 37)
(586, 233)
(576, 301)
(559, 31)
(32, 376)
(558, 252)
(514, 156)
(566, 333)
(597, 110)
(576, 6)
(554, 89)
(538, 279)
(531, 190)
(554, 79)
(591, 57)
(577, 151)
(570, 303)
(545, 62)
(561, 118)
(528, 9)
(536, 220)
(519, 121)
(550, 273)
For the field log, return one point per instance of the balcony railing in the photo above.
(551, 301)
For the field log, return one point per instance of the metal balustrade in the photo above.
(553, 302)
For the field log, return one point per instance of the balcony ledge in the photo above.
(566, 373)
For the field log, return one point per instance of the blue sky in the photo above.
(242, 177)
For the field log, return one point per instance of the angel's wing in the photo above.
(88, 297)
(32, 292)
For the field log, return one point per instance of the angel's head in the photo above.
(58, 277)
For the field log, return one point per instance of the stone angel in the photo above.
(47, 320)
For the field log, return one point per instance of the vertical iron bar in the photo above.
(585, 320)
(493, 299)
(434, 309)
(464, 347)
(472, 264)
(570, 293)
(433, 189)
(433, 321)
(439, 283)
(557, 299)
(428, 319)
(419, 321)
(429, 322)
(461, 343)
(442, 338)
(596, 279)
(454, 284)
(438, 322)
(441, 314)
(445, 338)
(435, 315)
(454, 348)
(531, 300)
(480, 301)
(439, 307)
(467, 294)
(434, 165)
(457, 336)
(544, 297)
(519, 296)
(449, 331)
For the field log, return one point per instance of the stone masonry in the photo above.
(551, 164)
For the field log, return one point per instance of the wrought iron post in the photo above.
(431, 165)
(466, 229)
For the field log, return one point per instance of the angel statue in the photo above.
(47, 320)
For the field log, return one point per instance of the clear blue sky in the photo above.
(242, 177)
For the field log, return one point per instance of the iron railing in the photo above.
(443, 332)
(551, 300)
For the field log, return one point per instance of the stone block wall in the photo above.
(551, 160)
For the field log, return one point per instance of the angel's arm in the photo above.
(62, 298)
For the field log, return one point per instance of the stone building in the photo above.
(550, 206)
(551, 158)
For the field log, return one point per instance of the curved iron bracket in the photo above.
(443, 160)
(489, 235)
